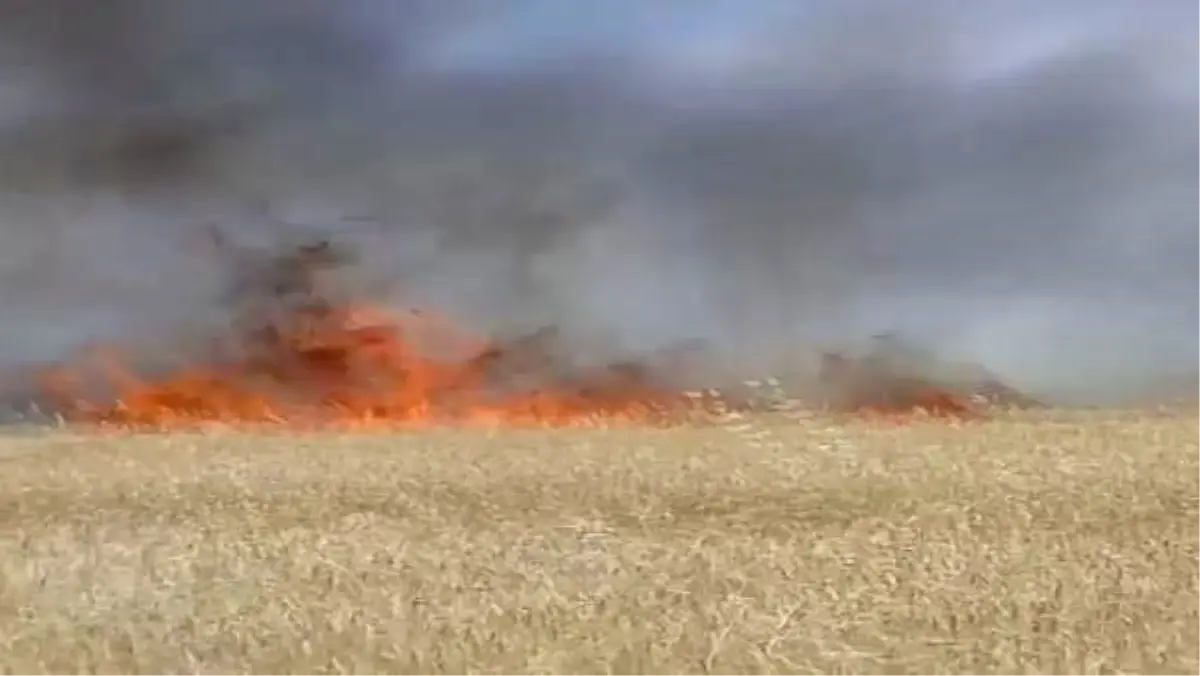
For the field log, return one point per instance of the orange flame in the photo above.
(296, 359)
(931, 402)
(353, 367)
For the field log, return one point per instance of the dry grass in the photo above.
(1062, 542)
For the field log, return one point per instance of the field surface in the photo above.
(1050, 542)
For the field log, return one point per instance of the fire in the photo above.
(931, 402)
(298, 358)
(338, 370)
(299, 354)
(869, 387)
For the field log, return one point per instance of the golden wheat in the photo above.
(1049, 542)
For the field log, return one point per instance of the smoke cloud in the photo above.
(1013, 183)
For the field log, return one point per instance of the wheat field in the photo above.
(1040, 542)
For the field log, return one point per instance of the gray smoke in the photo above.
(1010, 182)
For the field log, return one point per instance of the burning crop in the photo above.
(298, 355)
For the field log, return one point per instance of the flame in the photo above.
(354, 366)
(869, 388)
(932, 402)
(363, 368)
(296, 357)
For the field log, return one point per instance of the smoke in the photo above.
(1009, 182)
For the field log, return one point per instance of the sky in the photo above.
(1012, 182)
(540, 30)
(713, 40)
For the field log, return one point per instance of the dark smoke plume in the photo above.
(1010, 182)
